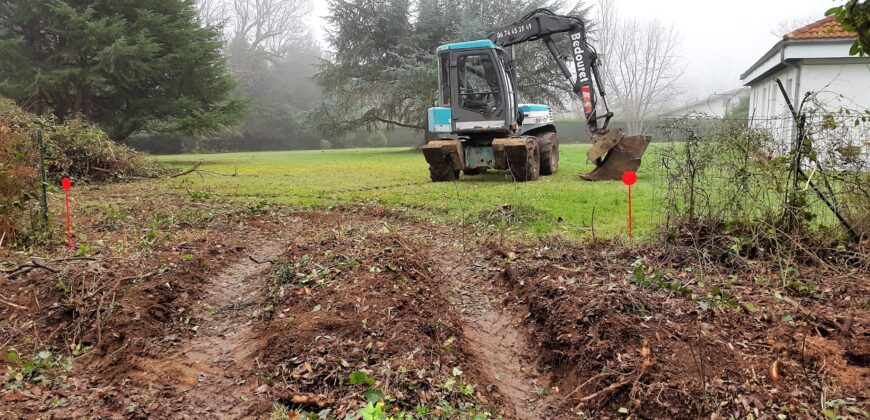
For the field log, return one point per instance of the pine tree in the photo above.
(128, 65)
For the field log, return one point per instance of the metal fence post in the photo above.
(43, 196)
(800, 120)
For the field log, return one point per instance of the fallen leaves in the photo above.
(774, 371)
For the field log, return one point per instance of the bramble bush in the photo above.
(76, 149)
(732, 186)
(18, 175)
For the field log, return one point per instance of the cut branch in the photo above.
(398, 124)
(189, 171)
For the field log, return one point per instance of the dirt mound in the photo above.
(358, 312)
(199, 309)
(651, 336)
(74, 325)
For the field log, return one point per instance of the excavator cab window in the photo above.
(444, 79)
(478, 84)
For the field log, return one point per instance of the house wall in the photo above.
(716, 106)
(817, 49)
(838, 85)
(765, 98)
(825, 68)
(799, 50)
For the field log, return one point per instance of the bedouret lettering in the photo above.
(578, 58)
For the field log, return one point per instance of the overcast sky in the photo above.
(720, 39)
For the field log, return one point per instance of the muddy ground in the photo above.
(178, 306)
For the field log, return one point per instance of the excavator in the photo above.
(481, 125)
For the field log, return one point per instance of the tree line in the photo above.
(184, 75)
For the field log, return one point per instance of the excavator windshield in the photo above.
(478, 83)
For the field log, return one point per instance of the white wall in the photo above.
(835, 86)
(715, 106)
(765, 98)
(838, 85)
(825, 49)
(769, 111)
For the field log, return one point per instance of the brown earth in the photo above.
(190, 309)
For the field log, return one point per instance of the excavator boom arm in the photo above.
(541, 24)
(612, 152)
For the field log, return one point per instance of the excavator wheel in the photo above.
(474, 171)
(443, 172)
(443, 157)
(524, 161)
(548, 145)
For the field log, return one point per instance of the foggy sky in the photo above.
(720, 39)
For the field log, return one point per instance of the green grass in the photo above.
(399, 178)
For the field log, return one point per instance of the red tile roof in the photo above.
(826, 28)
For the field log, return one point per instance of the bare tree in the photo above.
(603, 35)
(211, 12)
(642, 64)
(272, 27)
(787, 26)
(257, 33)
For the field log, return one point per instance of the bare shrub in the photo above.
(732, 184)
(838, 157)
(720, 172)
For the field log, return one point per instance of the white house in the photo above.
(716, 105)
(814, 58)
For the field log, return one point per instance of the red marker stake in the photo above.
(66, 186)
(629, 178)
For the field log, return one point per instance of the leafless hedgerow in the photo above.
(731, 184)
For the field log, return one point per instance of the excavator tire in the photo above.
(443, 172)
(444, 159)
(474, 171)
(548, 144)
(524, 161)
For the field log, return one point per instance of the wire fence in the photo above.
(802, 175)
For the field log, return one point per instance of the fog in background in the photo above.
(716, 42)
(719, 39)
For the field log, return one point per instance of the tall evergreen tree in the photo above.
(128, 65)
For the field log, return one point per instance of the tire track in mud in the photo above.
(208, 375)
(502, 348)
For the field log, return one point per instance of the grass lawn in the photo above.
(399, 178)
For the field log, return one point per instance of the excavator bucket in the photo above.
(622, 154)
